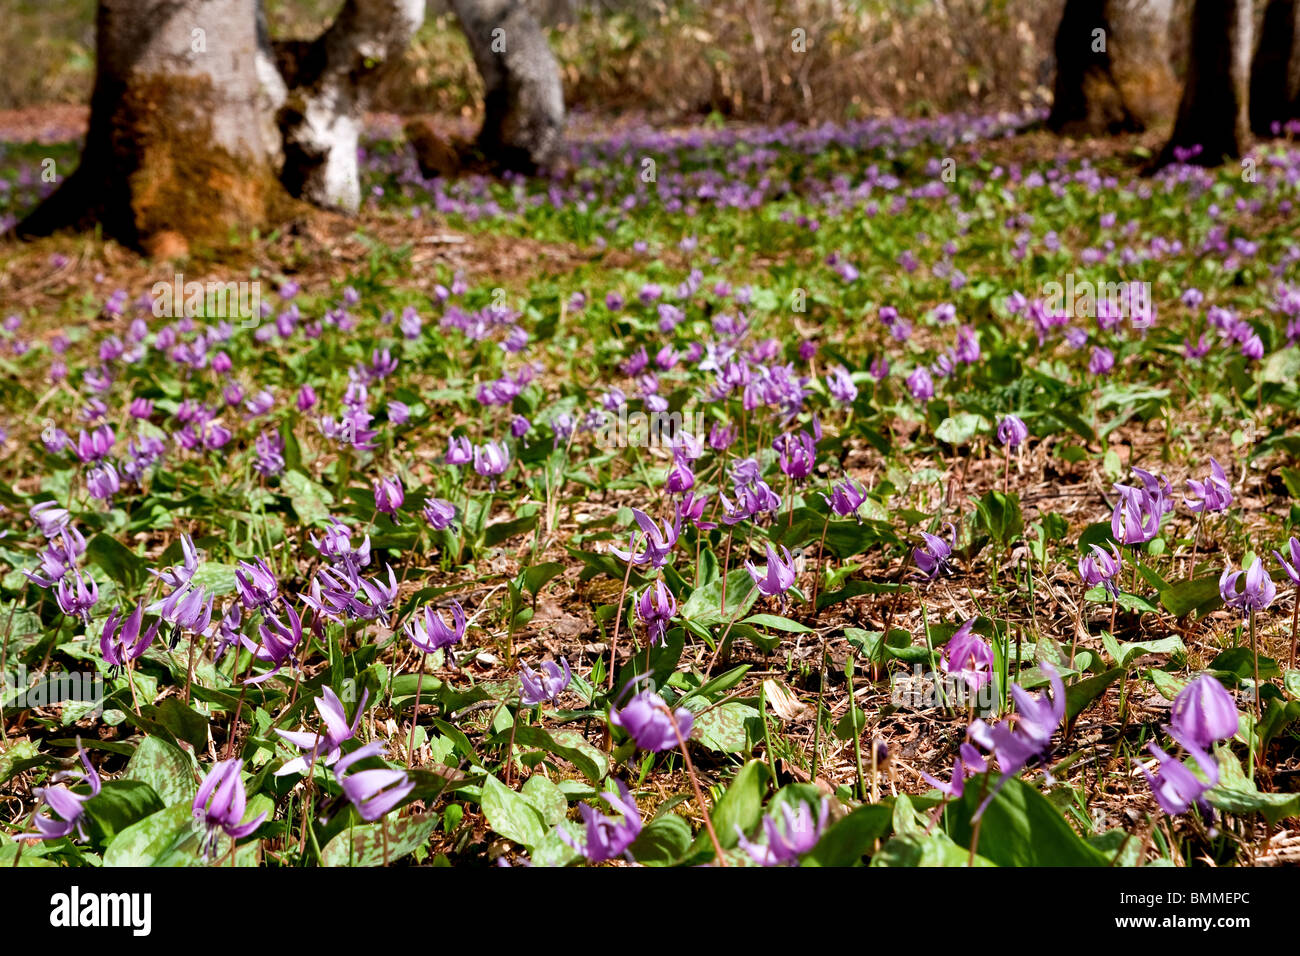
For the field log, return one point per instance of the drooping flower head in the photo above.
(1012, 432)
(1102, 567)
(373, 792)
(67, 808)
(788, 839)
(967, 657)
(544, 684)
(337, 730)
(608, 837)
(1212, 494)
(429, 632)
(647, 719)
(934, 557)
(219, 805)
(779, 575)
(1204, 713)
(656, 607)
(1256, 593)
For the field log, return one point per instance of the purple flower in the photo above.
(786, 844)
(656, 607)
(1012, 432)
(399, 413)
(846, 498)
(1256, 593)
(659, 542)
(1204, 713)
(1137, 514)
(179, 575)
(920, 384)
(1293, 569)
(256, 584)
(77, 596)
(337, 730)
(647, 720)
(68, 808)
(491, 459)
(279, 639)
(779, 575)
(459, 451)
(1102, 567)
(1101, 362)
(608, 837)
(306, 398)
(428, 632)
(1027, 741)
(1212, 494)
(372, 792)
(544, 684)
(970, 761)
(1174, 785)
(103, 481)
(968, 657)
(932, 559)
(49, 517)
(680, 478)
(185, 609)
(840, 384)
(439, 514)
(122, 640)
(389, 495)
(220, 804)
(797, 455)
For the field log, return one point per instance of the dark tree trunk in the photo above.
(1112, 66)
(1213, 116)
(1275, 71)
(179, 141)
(194, 131)
(523, 124)
(329, 88)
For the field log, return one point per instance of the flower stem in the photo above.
(695, 785)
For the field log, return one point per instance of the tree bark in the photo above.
(1213, 115)
(329, 89)
(523, 123)
(1112, 66)
(179, 141)
(1275, 70)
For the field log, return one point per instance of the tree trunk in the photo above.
(330, 87)
(523, 123)
(1275, 71)
(1213, 116)
(179, 141)
(1112, 66)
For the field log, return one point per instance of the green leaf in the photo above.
(167, 769)
(727, 728)
(546, 798)
(1082, 693)
(369, 845)
(566, 744)
(1200, 595)
(740, 807)
(704, 604)
(663, 841)
(850, 838)
(537, 576)
(116, 560)
(1020, 828)
(310, 501)
(119, 805)
(776, 622)
(511, 815)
